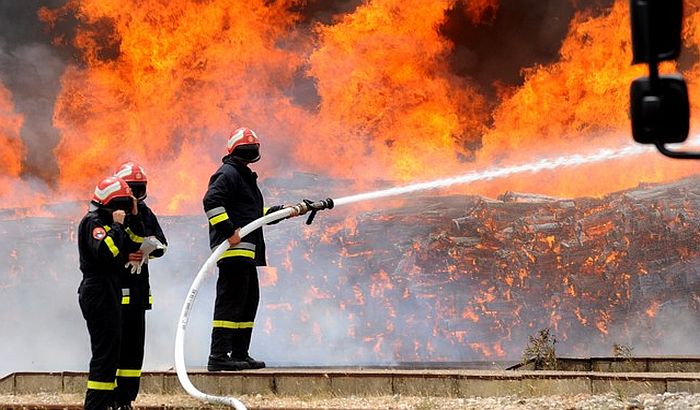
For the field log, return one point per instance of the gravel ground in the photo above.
(675, 401)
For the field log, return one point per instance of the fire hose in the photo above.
(299, 209)
(313, 207)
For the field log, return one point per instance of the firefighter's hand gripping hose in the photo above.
(299, 209)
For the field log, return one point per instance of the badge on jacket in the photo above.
(99, 233)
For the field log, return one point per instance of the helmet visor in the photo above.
(121, 204)
(138, 189)
(247, 153)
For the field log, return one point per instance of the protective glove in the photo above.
(150, 244)
(276, 208)
(135, 267)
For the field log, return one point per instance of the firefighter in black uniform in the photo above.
(233, 200)
(104, 244)
(135, 289)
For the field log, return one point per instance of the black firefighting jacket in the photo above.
(103, 246)
(233, 200)
(136, 288)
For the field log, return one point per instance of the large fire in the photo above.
(163, 82)
(11, 147)
(369, 97)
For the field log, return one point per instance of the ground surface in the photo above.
(679, 401)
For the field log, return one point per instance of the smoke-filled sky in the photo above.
(31, 68)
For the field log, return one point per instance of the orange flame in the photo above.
(183, 76)
(12, 149)
(652, 310)
(577, 102)
(164, 85)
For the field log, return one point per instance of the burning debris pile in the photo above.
(435, 278)
(459, 277)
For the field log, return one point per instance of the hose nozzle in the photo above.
(310, 206)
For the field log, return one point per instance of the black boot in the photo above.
(241, 344)
(254, 364)
(224, 362)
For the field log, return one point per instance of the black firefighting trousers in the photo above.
(237, 298)
(131, 357)
(100, 304)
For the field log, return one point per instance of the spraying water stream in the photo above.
(488, 174)
(569, 161)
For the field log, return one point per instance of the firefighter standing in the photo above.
(233, 200)
(104, 245)
(135, 289)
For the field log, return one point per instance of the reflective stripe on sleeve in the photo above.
(133, 236)
(219, 218)
(232, 325)
(216, 211)
(91, 384)
(244, 245)
(112, 247)
(126, 298)
(245, 249)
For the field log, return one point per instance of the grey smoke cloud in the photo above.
(30, 67)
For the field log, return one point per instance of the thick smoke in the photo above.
(344, 291)
(30, 67)
(522, 33)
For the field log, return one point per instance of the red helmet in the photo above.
(110, 190)
(241, 137)
(135, 176)
(131, 172)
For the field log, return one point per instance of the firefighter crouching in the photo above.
(104, 244)
(135, 289)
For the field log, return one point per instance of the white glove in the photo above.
(135, 266)
(150, 244)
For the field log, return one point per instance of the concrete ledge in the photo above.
(379, 382)
(28, 383)
(367, 386)
(302, 385)
(253, 385)
(619, 365)
(531, 387)
(628, 387)
(652, 364)
(7, 384)
(426, 386)
(478, 387)
(153, 383)
(687, 386)
(74, 382)
(673, 366)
